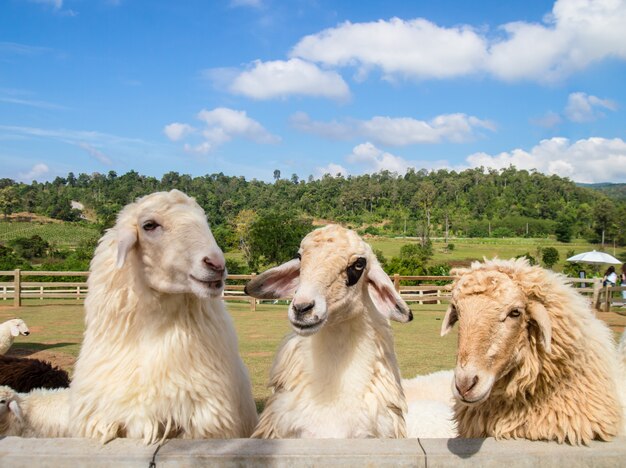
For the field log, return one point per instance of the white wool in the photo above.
(435, 386)
(337, 377)
(9, 330)
(430, 419)
(39, 413)
(160, 355)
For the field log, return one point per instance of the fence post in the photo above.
(396, 282)
(607, 303)
(252, 299)
(41, 293)
(17, 288)
(595, 300)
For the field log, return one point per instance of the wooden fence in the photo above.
(415, 289)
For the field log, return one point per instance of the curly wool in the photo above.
(569, 394)
(24, 375)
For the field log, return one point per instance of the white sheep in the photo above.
(160, 355)
(533, 361)
(337, 375)
(39, 413)
(430, 400)
(9, 330)
(435, 386)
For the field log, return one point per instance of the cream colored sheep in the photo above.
(533, 361)
(430, 400)
(9, 330)
(39, 413)
(622, 352)
(337, 375)
(160, 356)
(436, 386)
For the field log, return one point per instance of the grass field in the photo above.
(56, 334)
(477, 248)
(59, 234)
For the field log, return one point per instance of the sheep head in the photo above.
(169, 238)
(18, 327)
(9, 405)
(500, 323)
(333, 269)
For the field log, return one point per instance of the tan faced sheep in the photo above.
(160, 356)
(9, 330)
(337, 376)
(40, 413)
(533, 361)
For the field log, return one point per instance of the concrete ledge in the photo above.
(26, 453)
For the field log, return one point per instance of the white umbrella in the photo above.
(594, 257)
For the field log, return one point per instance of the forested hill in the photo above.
(474, 202)
(616, 191)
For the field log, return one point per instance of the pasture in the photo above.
(466, 249)
(68, 235)
(57, 327)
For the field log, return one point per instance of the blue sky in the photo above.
(309, 87)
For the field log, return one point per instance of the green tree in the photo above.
(275, 237)
(8, 200)
(550, 256)
(29, 247)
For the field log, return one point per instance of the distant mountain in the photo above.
(614, 191)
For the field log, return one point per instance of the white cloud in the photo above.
(591, 160)
(279, 79)
(96, 153)
(415, 48)
(177, 131)
(332, 169)
(396, 131)
(38, 170)
(575, 34)
(221, 125)
(583, 108)
(376, 160)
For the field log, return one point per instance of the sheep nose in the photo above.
(214, 264)
(27, 333)
(302, 309)
(465, 384)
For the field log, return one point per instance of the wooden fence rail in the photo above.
(416, 289)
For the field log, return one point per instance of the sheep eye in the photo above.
(150, 225)
(2, 402)
(515, 313)
(355, 271)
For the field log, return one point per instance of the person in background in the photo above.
(622, 278)
(610, 277)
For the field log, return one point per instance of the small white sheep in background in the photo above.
(533, 361)
(39, 413)
(160, 356)
(9, 330)
(337, 376)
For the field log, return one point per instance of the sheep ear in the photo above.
(15, 331)
(385, 297)
(276, 283)
(449, 320)
(126, 239)
(539, 315)
(14, 407)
